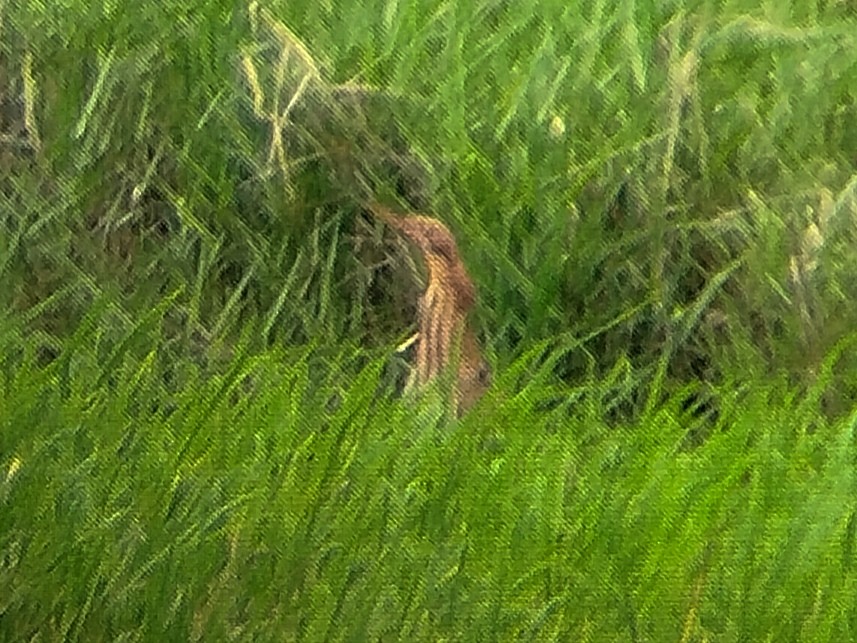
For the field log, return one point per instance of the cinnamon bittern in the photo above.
(444, 336)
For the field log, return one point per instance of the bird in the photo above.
(444, 335)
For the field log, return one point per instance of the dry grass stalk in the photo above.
(444, 336)
(803, 267)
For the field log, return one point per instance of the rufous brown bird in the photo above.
(444, 336)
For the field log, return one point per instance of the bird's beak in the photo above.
(406, 228)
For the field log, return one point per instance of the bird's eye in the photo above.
(484, 374)
(444, 249)
(439, 243)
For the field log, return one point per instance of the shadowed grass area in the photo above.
(200, 435)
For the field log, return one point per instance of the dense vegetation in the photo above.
(200, 435)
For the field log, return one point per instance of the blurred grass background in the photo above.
(199, 436)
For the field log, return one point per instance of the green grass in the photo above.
(199, 431)
(289, 508)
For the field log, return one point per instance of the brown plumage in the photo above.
(444, 335)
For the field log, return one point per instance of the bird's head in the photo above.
(439, 251)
